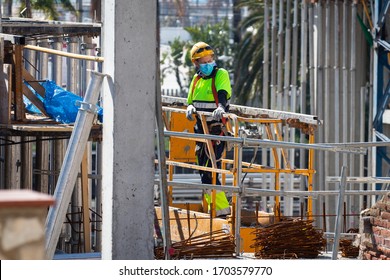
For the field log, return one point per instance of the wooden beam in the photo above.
(85, 198)
(34, 99)
(33, 83)
(18, 91)
(5, 108)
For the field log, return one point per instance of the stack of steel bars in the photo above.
(217, 244)
(348, 250)
(288, 239)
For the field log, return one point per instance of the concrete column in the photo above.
(129, 50)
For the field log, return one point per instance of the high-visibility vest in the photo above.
(206, 90)
(222, 206)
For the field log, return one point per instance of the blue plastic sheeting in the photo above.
(59, 103)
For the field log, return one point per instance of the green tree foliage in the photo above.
(216, 36)
(49, 7)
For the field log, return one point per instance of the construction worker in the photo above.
(209, 91)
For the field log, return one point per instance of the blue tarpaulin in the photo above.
(59, 103)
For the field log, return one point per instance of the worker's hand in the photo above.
(218, 113)
(190, 110)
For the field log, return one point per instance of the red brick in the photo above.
(378, 239)
(375, 212)
(376, 230)
(377, 222)
(385, 233)
(366, 256)
(384, 250)
(385, 216)
(373, 253)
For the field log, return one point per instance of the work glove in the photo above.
(218, 113)
(190, 110)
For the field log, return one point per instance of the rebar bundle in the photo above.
(288, 239)
(348, 250)
(217, 244)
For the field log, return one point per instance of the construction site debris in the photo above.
(217, 244)
(348, 250)
(288, 239)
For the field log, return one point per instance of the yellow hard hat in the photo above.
(199, 50)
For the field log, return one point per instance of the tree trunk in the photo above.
(236, 22)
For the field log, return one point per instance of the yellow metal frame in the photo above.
(272, 128)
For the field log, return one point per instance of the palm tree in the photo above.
(249, 54)
(216, 35)
(47, 6)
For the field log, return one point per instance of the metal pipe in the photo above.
(338, 216)
(319, 83)
(334, 147)
(264, 156)
(361, 138)
(303, 78)
(71, 165)
(276, 114)
(345, 101)
(65, 54)
(327, 123)
(353, 97)
(239, 200)
(287, 59)
(285, 105)
(72, 70)
(267, 192)
(273, 55)
(312, 60)
(279, 91)
(163, 171)
(336, 102)
(266, 56)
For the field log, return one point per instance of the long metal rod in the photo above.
(287, 59)
(267, 192)
(65, 54)
(336, 102)
(312, 61)
(266, 65)
(239, 201)
(305, 118)
(303, 80)
(162, 167)
(338, 216)
(71, 164)
(334, 147)
(273, 55)
(266, 56)
(279, 91)
(354, 97)
(345, 101)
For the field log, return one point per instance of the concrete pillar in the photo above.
(129, 50)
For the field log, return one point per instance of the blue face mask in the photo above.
(207, 68)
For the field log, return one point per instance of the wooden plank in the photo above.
(39, 127)
(24, 198)
(5, 108)
(19, 105)
(34, 99)
(85, 198)
(33, 83)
